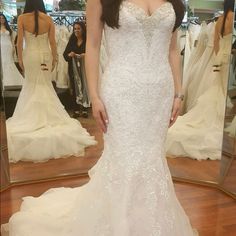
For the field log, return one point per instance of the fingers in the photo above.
(104, 119)
(22, 69)
(100, 121)
(101, 118)
(53, 66)
(174, 116)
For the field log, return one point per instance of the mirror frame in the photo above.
(219, 183)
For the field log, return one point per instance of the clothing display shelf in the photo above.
(67, 18)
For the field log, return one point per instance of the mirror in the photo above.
(4, 173)
(229, 141)
(194, 142)
(37, 136)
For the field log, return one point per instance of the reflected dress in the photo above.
(39, 119)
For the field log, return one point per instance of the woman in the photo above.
(75, 50)
(39, 117)
(198, 134)
(223, 41)
(130, 192)
(11, 76)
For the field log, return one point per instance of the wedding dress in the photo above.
(39, 119)
(11, 75)
(130, 192)
(61, 71)
(191, 36)
(198, 133)
(198, 71)
(196, 54)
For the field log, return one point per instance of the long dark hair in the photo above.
(35, 6)
(228, 6)
(110, 12)
(73, 38)
(8, 28)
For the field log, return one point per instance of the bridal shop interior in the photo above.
(200, 146)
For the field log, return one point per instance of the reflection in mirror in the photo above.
(228, 181)
(44, 139)
(4, 165)
(194, 142)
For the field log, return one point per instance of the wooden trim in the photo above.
(205, 183)
(27, 182)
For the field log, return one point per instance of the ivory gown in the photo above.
(131, 191)
(11, 75)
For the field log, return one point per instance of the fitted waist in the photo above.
(41, 48)
(146, 67)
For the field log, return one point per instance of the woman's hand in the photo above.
(100, 114)
(54, 62)
(175, 110)
(80, 55)
(71, 54)
(22, 67)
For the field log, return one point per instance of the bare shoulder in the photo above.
(219, 22)
(20, 18)
(230, 15)
(23, 16)
(44, 16)
(220, 19)
(93, 4)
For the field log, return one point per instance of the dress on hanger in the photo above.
(196, 75)
(61, 71)
(196, 54)
(191, 35)
(130, 192)
(11, 75)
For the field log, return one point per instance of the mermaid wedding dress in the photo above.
(39, 119)
(130, 192)
(198, 134)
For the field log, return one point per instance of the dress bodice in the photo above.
(5, 38)
(5, 33)
(225, 45)
(142, 40)
(39, 43)
(210, 34)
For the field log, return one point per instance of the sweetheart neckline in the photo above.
(141, 9)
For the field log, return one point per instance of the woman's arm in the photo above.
(92, 55)
(20, 36)
(52, 42)
(94, 36)
(217, 35)
(67, 51)
(175, 63)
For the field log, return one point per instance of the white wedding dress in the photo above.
(131, 191)
(61, 71)
(196, 54)
(198, 134)
(199, 71)
(39, 119)
(11, 75)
